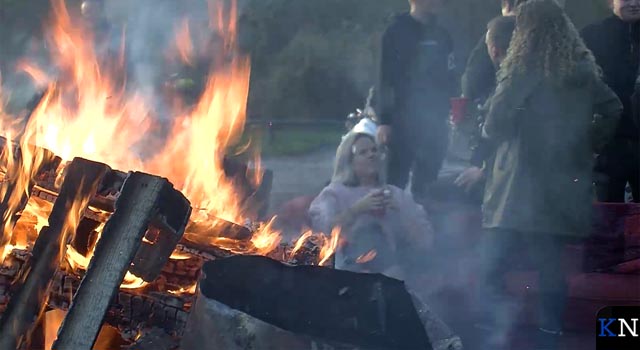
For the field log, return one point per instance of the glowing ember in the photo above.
(367, 257)
(132, 281)
(188, 290)
(179, 256)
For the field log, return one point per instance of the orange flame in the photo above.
(266, 240)
(184, 45)
(41, 78)
(86, 112)
(366, 257)
(53, 321)
(330, 245)
(17, 174)
(188, 290)
(179, 256)
(132, 281)
(300, 242)
(78, 261)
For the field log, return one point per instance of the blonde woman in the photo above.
(373, 216)
(548, 116)
(383, 229)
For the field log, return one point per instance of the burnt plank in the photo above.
(141, 203)
(120, 308)
(81, 182)
(364, 311)
(166, 229)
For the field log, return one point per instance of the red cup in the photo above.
(458, 109)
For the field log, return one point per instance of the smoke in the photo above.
(149, 36)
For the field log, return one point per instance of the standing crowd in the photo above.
(558, 130)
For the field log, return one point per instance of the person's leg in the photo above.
(496, 307)
(547, 251)
(429, 158)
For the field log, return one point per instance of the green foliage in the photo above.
(313, 58)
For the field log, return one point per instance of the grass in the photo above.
(293, 141)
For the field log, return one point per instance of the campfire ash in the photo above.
(126, 248)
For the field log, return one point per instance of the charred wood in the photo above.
(129, 310)
(146, 201)
(29, 300)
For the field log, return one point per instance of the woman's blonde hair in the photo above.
(343, 167)
(545, 40)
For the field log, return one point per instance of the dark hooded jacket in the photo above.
(479, 78)
(545, 133)
(416, 78)
(616, 47)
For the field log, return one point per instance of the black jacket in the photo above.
(616, 47)
(417, 63)
(479, 79)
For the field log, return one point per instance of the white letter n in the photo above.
(623, 324)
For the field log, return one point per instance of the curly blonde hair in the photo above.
(545, 40)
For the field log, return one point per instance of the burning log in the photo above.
(18, 190)
(81, 182)
(147, 204)
(364, 311)
(130, 309)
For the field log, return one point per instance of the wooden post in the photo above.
(141, 203)
(80, 183)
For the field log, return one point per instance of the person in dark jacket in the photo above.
(417, 81)
(615, 43)
(499, 32)
(550, 112)
(479, 78)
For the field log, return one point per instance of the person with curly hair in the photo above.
(550, 112)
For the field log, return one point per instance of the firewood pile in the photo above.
(143, 269)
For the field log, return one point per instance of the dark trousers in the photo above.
(420, 151)
(501, 250)
(618, 164)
